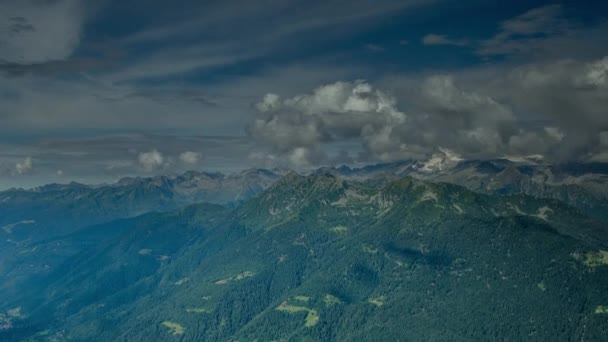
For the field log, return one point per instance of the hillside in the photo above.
(321, 258)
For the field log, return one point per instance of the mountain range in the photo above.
(443, 250)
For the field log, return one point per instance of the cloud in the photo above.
(601, 153)
(151, 160)
(204, 38)
(462, 119)
(107, 158)
(570, 95)
(440, 39)
(24, 167)
(34, 32)
(300, 128)
(546, 33)
(517, 34)
(190, 157)
(553, 109)
(375, 47)
(297, 127)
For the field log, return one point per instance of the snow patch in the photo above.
(442, 160)
(542, 213)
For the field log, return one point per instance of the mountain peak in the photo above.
(442, 160)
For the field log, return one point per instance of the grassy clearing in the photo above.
(174, 328)
(302, 298)
(223, 281)
(198, 310)
(238, 277)
(596, 259)
(601, 309)
(246, 274)
(312, 317)
(285, 307)
(144, 251)
(542, 286)
(331, 300)
(379, 301)
(339, 229)
(369, 249)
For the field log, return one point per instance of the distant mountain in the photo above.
(581, 185)
(323, 258)
(59, 209)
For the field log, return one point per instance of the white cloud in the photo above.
(25, 166)
(190, 157)
(553, 109)
(151, 160)
(39, 31)
(296, 127)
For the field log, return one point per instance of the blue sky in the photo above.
(93, 91)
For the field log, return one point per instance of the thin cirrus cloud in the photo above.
(519, 34)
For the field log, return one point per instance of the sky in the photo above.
(92, 91)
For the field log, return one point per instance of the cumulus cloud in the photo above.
(190, 157)
(24, 167)
(442, 114)
(571, 96)
(553, 109)
(297, 127)
(151, 160)
(441, 39)
(35, 32)
(462, 119)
